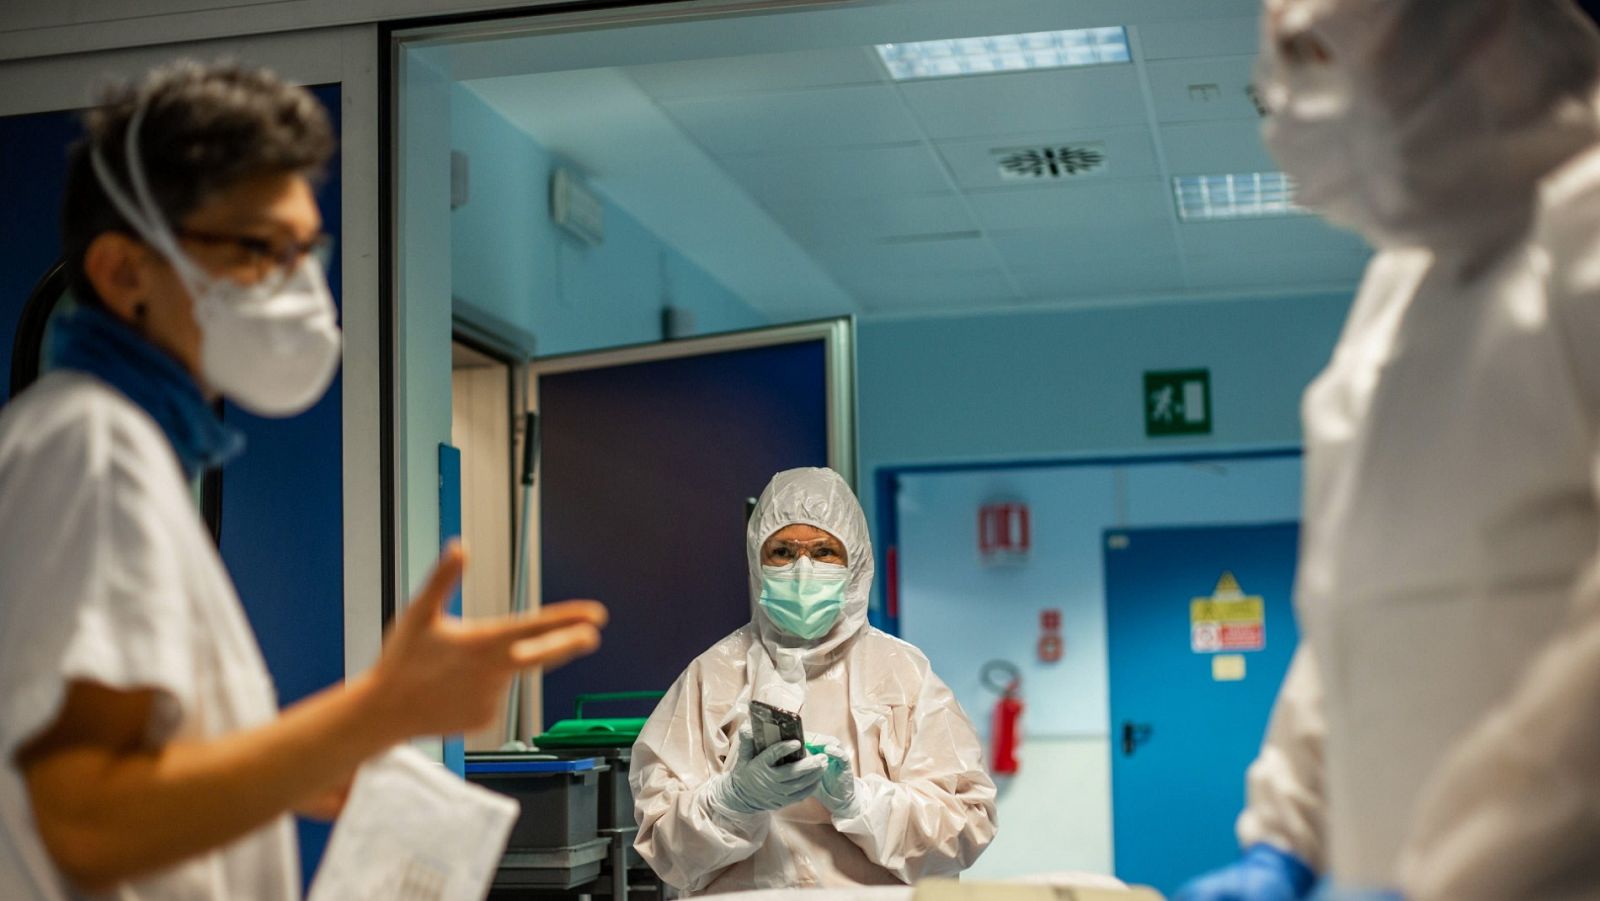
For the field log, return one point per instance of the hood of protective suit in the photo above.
(1427, 122)
(820, 498)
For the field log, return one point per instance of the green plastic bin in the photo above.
(582, 732)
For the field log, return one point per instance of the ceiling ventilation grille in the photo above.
(1049, 163)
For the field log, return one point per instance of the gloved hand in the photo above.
(837, 791)
(1264, 873)
(755, 785)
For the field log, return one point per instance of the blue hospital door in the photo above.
(1200, 630)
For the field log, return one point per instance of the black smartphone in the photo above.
(771, 725)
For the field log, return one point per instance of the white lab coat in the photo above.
(107, 574)
(1450, 512)
(1515, 812)
(928, 806)
(1451, 441)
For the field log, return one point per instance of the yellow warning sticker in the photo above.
(1250, 610)
(1227, 586)
(1228, 620)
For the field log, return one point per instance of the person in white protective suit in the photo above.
(1451, 446)
(901, 792)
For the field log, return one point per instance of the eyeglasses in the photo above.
(265, 259)
(782, 552)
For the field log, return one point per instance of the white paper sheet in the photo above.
(413, 831)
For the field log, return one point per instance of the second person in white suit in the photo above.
(1451, 508)
(901, 792)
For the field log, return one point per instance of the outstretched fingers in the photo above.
(554, 647)
(551, 618)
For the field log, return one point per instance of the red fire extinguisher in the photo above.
(1005, 735)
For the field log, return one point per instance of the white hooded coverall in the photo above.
(928, 807)
(1451, 445)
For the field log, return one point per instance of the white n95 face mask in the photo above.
(271, 347)
(272, 350)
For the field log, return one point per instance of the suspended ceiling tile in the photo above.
(771, 72)
(783, 180)
(1284, 271)
(1216, 148)
(1236, 36)
(1101, 205)
(1255, 238)
(1027, 103)
(932, 292)
(1127, 153)
(1146, 274)
(1071, 248)
(851, 263)
(764, 123)
(824, 221)
(1198, 90)
(1196, 10)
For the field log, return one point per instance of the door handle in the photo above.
(1133, 735)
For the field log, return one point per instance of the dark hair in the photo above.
(206, 127)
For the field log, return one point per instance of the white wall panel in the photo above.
(831, 117)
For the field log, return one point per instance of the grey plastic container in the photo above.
(616, 795)
(559, 810)
(550, 868)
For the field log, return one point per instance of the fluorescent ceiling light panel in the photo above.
(1252, 195)
(1006, 53)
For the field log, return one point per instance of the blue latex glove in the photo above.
(1264, 873)
(1333, 893)
(757, 784)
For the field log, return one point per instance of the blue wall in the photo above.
(961, 612)
(1069, 382)
(510, 260)
(33, 175)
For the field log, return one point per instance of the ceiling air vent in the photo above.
(1053, 162)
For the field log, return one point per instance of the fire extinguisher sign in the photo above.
(1228, 620)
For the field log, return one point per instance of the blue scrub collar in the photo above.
(93, 341)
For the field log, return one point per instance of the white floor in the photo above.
(1055, 814)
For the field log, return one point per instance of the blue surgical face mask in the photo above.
(804, 598)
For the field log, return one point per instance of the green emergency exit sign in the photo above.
(1177, 403)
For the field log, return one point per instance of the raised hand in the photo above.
(440, 674)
